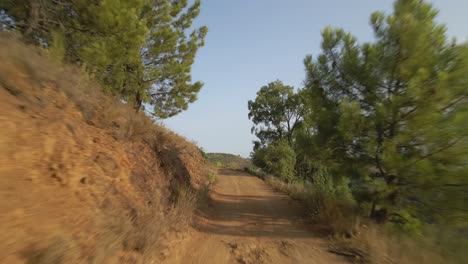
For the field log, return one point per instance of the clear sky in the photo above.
(253, 42)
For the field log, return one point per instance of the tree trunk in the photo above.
(380, 216)
(138, 102)
(372, 209)
(33, 19)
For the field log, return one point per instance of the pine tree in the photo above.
(393, 113)
(169, 55)
(137, 49)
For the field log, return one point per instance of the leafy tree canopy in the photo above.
(275, 113)
(391, 115)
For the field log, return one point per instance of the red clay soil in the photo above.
(71, 190)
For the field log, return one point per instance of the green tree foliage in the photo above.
(276, 113)
(388, 118)
(139, 49)
(169, 55)
(277, 158)
(393, 113)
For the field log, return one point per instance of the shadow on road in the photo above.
(245, 206)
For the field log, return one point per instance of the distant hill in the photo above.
(229, 160)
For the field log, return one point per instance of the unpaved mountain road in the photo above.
(247, 222)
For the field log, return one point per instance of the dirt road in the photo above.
(248, 222)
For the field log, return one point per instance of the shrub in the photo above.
(256, 172)
(329, 205)
(258, 158)
(323, 182)
(406, 223)
(278, 158)
(204, 154)
(211, 177)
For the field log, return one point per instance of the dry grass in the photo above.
(130, 225)
(334, 216)
(145, 233)
(59, 249)
(368, 242)
(377, 244)
(211, 177)
(98, 108)
(148, 229)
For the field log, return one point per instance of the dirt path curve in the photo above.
(247, 222)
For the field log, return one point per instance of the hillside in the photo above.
(84, 178)
(229, 160)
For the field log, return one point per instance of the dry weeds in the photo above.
(141, 183)
(334, 216)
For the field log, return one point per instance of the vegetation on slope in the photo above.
(386, 120)
(141, 51)
(85, 178)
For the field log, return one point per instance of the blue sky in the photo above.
(253, 42)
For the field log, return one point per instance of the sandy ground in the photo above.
(247, 222)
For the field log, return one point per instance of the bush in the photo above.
(323, 182)
(256, 172)
(211, 177)
(278, 158)
(204, 154)
(258, 158)
(324, 203)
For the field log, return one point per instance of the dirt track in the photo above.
(247, 222)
